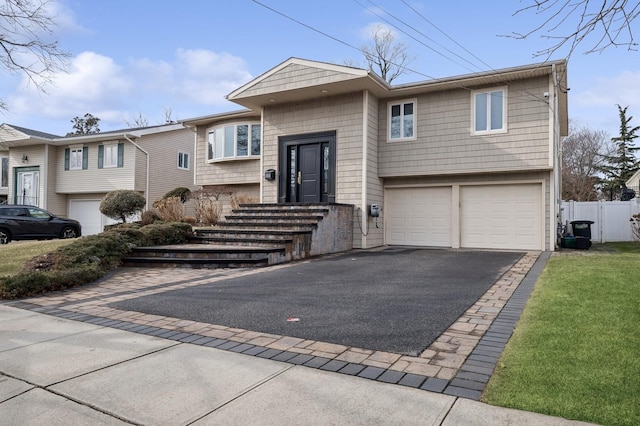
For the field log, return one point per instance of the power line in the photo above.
(361, 51)
(445, 34)
(331, 37)
(422, 34)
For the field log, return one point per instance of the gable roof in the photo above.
(298, 79)
(13, 136)
(34, 133)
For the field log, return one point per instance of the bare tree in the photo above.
(26, 27)
(572, 22)
(385, 55)
(583, 153)
(139, 121)
(167, 113)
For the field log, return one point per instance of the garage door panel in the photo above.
(418, 216)
(501, 216)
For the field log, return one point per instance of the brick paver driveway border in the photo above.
(459, 362)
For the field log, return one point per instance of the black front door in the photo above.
(308, 162)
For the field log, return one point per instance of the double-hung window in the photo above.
(183, 160)
(234, 141)
(76, 158)
(402, 120)
(489, 111)
(110, 155)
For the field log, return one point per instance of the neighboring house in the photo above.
(469, 161)
(69, 176)
(632, 183)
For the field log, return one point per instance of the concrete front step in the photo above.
(204, 251)
(267, 225)
(194, 263)
(272, 220)
(251, 233)
(284, 207)
(209, 256)
(282, 231)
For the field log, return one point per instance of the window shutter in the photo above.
(67, 153)
(120, 154)
(100, 156)
(85, 158)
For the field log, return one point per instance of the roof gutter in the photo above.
(146, 184)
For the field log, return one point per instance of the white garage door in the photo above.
(87, 212)
(501, 216)
(418, 216)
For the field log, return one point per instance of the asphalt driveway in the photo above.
(395, 300)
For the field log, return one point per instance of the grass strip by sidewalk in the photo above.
(576, 350)
(14, 255)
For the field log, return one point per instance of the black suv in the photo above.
(19, 222)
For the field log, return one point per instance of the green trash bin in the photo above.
(568, 241)
(582, 228)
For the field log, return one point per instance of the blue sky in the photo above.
(131, 58)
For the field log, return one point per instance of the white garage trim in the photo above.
(502, 216)
(494, 215)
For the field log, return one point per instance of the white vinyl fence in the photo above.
(611, 218)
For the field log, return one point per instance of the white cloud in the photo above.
(198, 76)
(62, 16)
(623, 89)
(367, 32)
(94, 83)
(596, 106)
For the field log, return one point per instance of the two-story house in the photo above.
(70, 175)
(464, 162)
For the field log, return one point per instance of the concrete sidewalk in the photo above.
(55, 371)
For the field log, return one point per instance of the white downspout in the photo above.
(365, 152)
(146, 185)
(44, 181)
(557, 197)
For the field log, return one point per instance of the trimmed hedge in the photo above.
(88, 258)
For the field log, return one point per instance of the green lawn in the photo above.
(15, 254)
(576, 351)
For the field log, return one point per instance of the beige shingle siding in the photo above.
(445, 144)
(375, 189)
(293, 76)
(342, 114)
(225, 172)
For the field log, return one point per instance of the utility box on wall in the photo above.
(270, 174)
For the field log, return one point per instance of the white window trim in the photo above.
(114, 158)
(504, 128)
(76, 150)
(401, 102)
(183, 153)
(235, 156)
